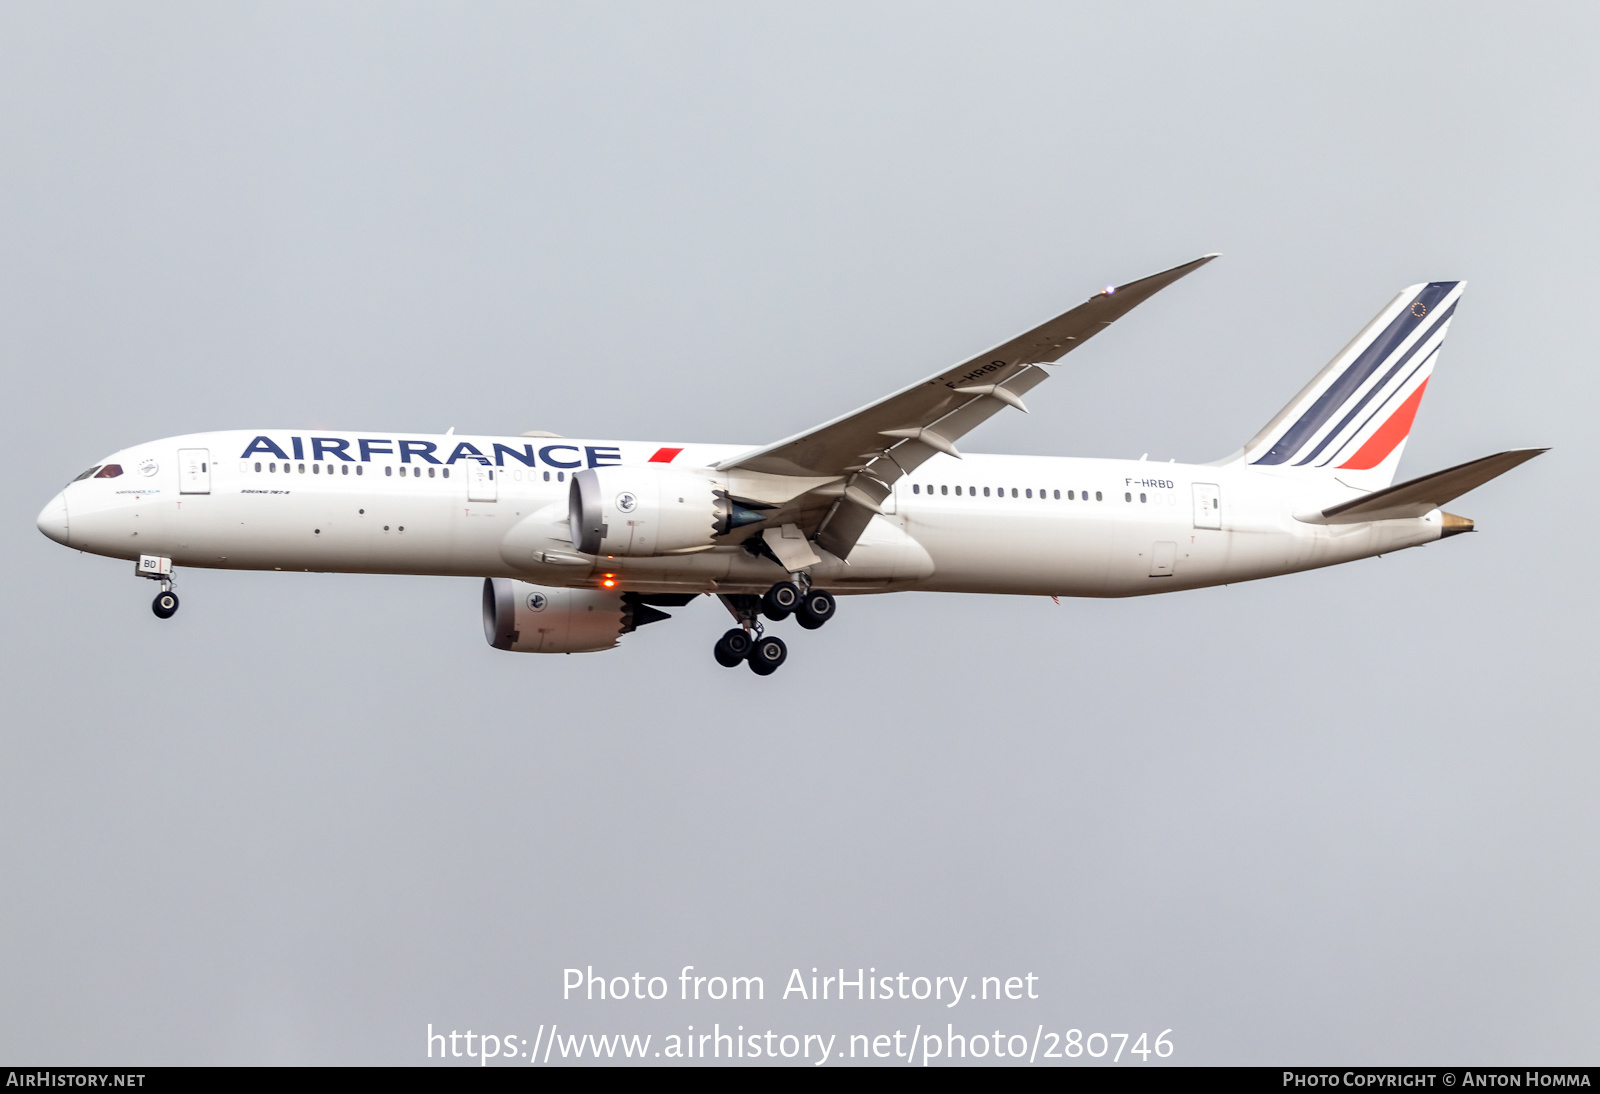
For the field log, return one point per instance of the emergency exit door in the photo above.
(1207, 505)
(480, 483)
(194, 471)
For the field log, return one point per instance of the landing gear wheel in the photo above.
(165, 605)
(767, 654)
(732, 647)
(816, 608)
(781, 600)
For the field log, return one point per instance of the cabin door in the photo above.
(1207, 505)
(480, 482)
(194, 471)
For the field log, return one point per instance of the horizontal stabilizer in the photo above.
(1419, 497)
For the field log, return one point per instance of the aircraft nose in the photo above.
(53, 518)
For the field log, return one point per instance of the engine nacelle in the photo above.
(646, 510)
(527, 618)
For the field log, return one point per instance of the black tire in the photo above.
(767, 654)
(815, 609)
(733, 647)
(165, 605)
(780, 601)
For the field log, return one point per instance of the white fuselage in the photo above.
(985, 523)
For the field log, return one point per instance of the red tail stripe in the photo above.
(1389, 434)
(665, 455)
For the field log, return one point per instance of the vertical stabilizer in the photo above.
(1352, 420)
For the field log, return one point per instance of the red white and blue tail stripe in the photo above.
(1353, 419)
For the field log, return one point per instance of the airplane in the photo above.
(580, 542)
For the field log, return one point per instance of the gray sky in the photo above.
(1340, 816)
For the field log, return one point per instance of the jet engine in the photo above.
(527, 618)
(650, 510)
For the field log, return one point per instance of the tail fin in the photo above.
(1352, 420)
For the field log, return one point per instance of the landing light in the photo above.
(608, 581)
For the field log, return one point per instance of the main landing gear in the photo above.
(810, 607)
(747, 642)
(763, 653)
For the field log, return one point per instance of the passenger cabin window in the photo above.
(1127, 497)
(446, 472)
(1141, 499)
(1097, 496)
(258, 466)
(1057, 494)
(944, 490)
(547, 476)
(388, 470)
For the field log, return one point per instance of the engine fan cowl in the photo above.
(641, 511)
(526, 618)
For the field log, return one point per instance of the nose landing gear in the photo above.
(165, 605)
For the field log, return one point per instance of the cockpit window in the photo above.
(87, 473)
(110, 471)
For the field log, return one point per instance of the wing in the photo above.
(858, 457)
